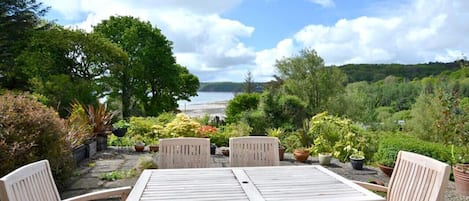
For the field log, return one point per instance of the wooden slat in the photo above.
(184, 153)
(254, 151)
(190, 184)
(418, 178)
(300, 182)
(248, 183)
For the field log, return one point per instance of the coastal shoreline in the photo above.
(212, 109)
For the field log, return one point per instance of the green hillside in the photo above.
(355, 73)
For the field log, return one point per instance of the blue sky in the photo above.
(221, 40)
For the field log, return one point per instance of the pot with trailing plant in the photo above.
(324, 150)
(357, 160)
(139, 144)
(120, 128)
(461, 170)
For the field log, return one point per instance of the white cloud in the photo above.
(420, 32)
(265, 59)
(211, 46)
(202, 40)
(324, 3)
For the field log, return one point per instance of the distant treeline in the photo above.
(376, 72)
(357, 72)
(226, 86)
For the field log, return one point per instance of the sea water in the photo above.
(207, 97)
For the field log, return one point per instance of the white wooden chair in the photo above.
(35, 182)
(254, 151)
(415, 178)
(184, 153)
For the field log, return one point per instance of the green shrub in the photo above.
(182, 126)
(113, 140)
(240, 103)
(165, 117)
(283, 110)
(30, 131)
(390, 145)
(292, 142)
(256, 119)
(142, 126)
(222, 136)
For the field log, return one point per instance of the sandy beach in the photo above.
(200, 109)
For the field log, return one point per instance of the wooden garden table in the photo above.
(248, 183)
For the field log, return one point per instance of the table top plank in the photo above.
(189, 184)
(300, 182)
(248, 183)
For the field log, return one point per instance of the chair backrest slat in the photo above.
(418, 178)
(30, 182)
(254, 151)
(184, 153)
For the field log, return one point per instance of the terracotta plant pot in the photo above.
(154, 148)
(461, 178)
(386, 170)
(139, 147)
(301, 154)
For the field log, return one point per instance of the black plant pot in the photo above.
(357, 164)
(79, 153)
(213, 149)
(119, 132)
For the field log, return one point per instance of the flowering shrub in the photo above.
(207, 130)
(182, 126)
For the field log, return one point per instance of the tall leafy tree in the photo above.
(19, 19)
(66, 65)
(151, 80)
(306, 76)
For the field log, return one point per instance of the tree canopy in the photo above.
(150, 82)
(19, 19)
(306, 77)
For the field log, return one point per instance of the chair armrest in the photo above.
(372, 187)
(123, 192)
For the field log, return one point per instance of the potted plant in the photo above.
(100, 118)
(154, 145)
(357, 159)
(120, 128)
(461, 171)
(386, 159)
(225, 151)
(323, 148)
(213, 149)
(301, 154)
(279, 133)
(139, 144)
